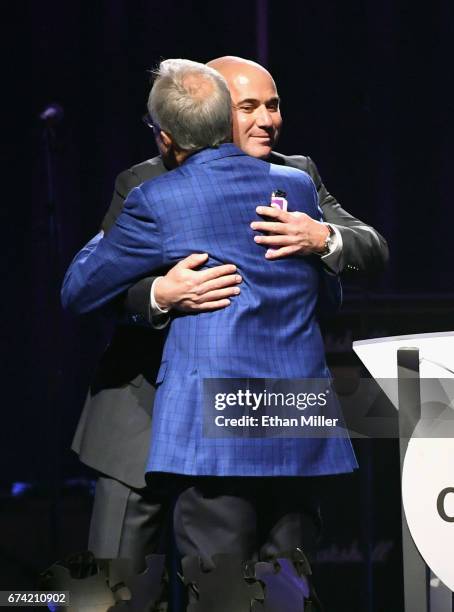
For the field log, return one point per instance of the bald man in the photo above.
(114, 430)
(345, 243)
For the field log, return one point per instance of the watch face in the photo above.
(328, 241)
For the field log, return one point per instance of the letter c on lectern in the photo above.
(441, 504)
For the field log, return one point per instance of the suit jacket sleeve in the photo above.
(110, 264)
(364, 249)
(136, 300)
(330, 287)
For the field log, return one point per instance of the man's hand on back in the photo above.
(289, 233)
(187, 289)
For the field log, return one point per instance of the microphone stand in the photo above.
(50, 117)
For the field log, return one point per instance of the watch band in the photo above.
(328, 241)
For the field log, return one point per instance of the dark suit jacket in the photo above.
(113, 433)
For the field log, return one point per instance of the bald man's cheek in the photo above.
(236, 133)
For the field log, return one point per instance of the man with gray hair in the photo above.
(191, 102)
(205, 205)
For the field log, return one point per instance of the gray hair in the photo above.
(192, 103)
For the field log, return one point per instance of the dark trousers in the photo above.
(249, 519)
(257, 519)
(128, 523)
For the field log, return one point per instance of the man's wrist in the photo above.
(333, 259)
(324, 247)
(156, 308)
(159, 317)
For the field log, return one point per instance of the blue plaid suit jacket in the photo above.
(269, 330)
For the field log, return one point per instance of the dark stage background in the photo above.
(367, 91)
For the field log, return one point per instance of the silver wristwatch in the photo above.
(328, 241)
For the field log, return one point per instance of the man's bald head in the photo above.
(229, 63)
(256, 116)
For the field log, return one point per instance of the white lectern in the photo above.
(427, 458)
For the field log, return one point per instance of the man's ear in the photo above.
(166, 140)
(168, 149)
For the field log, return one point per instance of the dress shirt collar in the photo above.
(207, 155)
